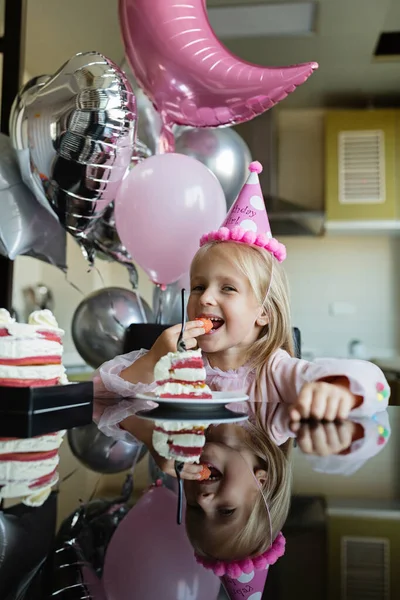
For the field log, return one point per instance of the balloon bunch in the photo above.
(145, 198)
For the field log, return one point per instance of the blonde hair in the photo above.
(269, 284)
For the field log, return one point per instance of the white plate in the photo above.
(203, 416)
(217, 398)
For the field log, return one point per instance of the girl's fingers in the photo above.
(304, 440)
(344, 407)
(331, 411)
(193, 332)
(318, 405)
(189, 471)
(301, 409)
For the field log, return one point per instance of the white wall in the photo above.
(357, 271)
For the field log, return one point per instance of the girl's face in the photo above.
(221, 292)
(222, 505)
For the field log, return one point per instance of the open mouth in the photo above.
(217, 323)
(216, 475)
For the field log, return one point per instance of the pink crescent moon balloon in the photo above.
(189, 75)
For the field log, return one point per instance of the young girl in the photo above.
(237, 281)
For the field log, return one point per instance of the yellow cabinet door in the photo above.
(360, 177)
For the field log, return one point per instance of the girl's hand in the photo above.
(168, 340)
(324, 439)
(189, 471)
(324, 401)
(142, 370)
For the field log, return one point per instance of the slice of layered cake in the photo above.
(179, 441)
(181, 375)
(31, 353)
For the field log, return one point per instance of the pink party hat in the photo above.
(247, 221)
(246, 578)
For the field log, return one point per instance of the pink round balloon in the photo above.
(149, 556)
(163, 207)
(190, 76)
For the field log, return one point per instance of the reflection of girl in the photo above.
(236, 278)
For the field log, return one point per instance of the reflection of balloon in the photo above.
(162, 208)
(188, 73)
(149, 122)
(25, 226)
(100, 320)
(74, 134)
(223, 151)
(101, 453)
(150, 557)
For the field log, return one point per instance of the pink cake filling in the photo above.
(185, 450)
(29, 361)
(188, 363)
(43, 480)
(48, 335)
(29, 382)
(28, 456)
(187, 395)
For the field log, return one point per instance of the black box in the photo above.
(27, 412)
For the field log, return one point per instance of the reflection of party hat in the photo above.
(247, 221)
(246, 578)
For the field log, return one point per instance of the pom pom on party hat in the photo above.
(246, 579)
(247, 221)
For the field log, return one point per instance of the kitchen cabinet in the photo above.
(361, 159)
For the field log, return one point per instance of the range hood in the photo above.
(286, 218)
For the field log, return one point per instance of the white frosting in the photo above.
(5, 317)
(21, 488)
(28, 471)
(38, 498)
(39, 320)
(42, 443)
(179, 425)
(44, 318)
(164, 365)
(179, 389)
(15, 348)
(31, 372)
(188, 374)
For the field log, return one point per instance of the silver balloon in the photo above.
(74, 132)
(223, 151)
(25, 226)
(100, 321)
(108, 246)
(101, 453)
(167, 304)
(149, 120)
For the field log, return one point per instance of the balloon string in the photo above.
(103, 283)
(141, 308)
(75, 287)
(160, 307)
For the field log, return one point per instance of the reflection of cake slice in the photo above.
(28, 467)
(179, 441)
(31, 353)
(181, 375)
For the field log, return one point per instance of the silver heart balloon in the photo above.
(75, 132)
(25, 226)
